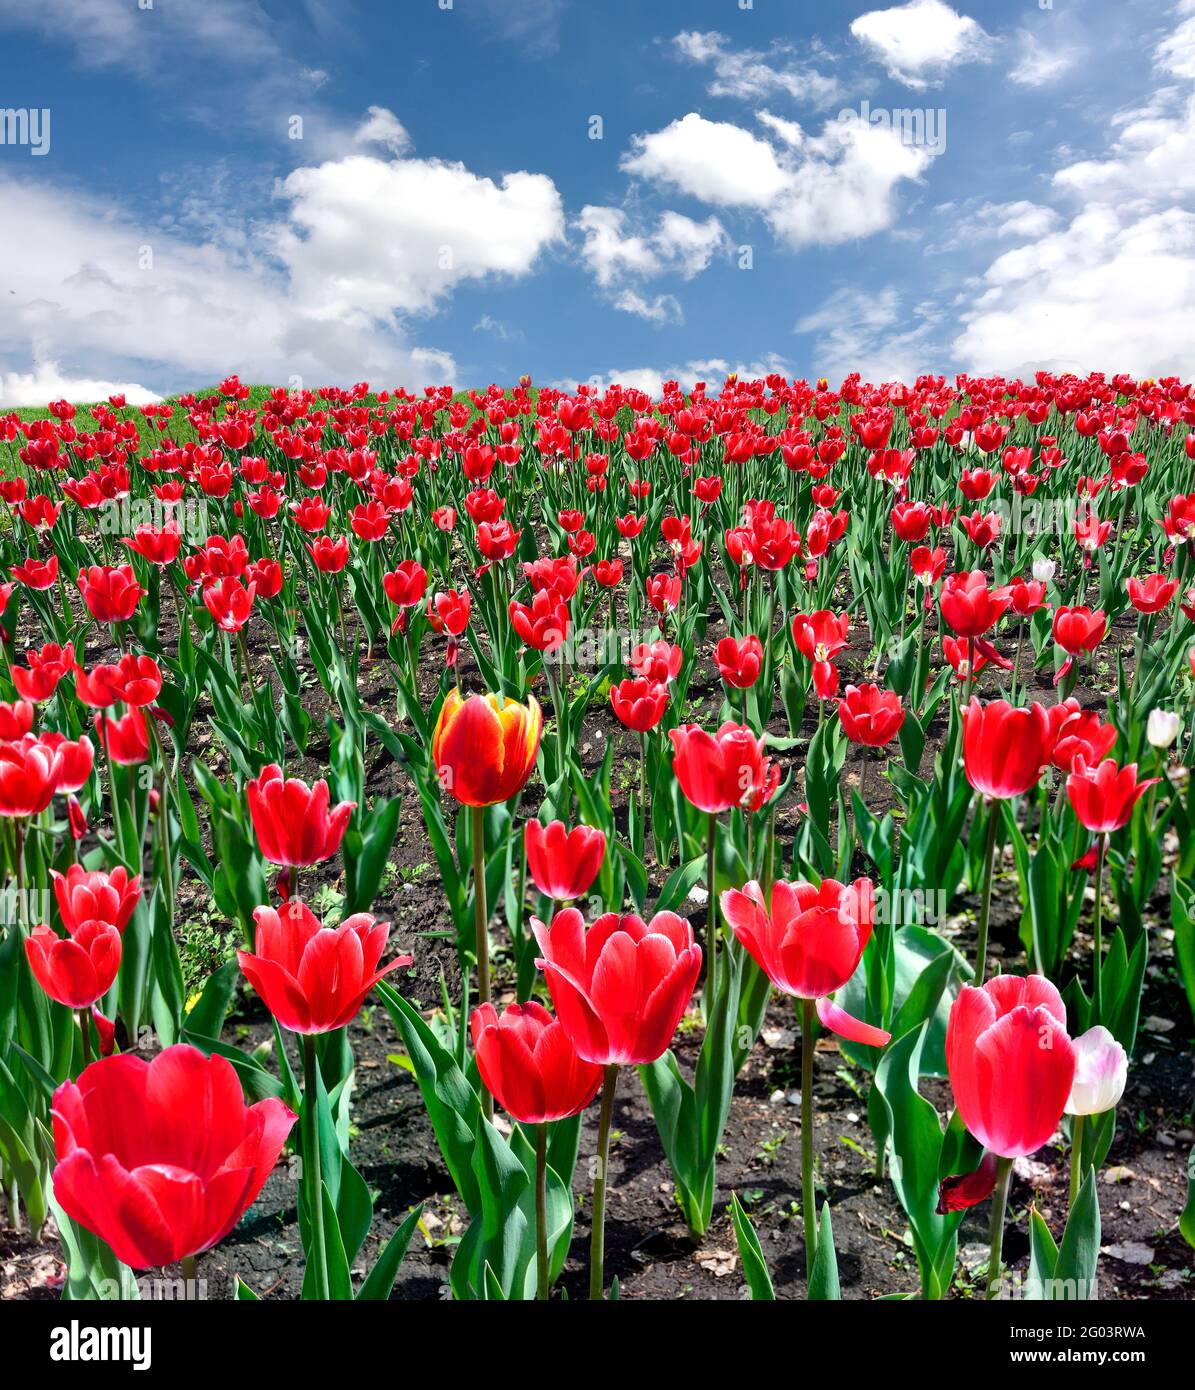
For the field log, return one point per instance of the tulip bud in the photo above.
(1043, 569)
(1101, 1069)
(1162, 728)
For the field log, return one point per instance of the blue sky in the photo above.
(446, 214)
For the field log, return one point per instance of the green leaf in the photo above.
(823, 1278)
(379, 1282)
(1186, 1222)
(1078, 1255)
(755, 1271)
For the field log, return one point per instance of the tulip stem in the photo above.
(808, 1195)
(597, 1237)
(542, 1288)
(1076, 1156)
(312, 1169)
(190, 1285)
(1098, 962)
(999, 1207)
(711, 917)
(85, 1025)
(985, 910)
(481, 928)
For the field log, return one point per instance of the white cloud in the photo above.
(751, 75)
(920, 41)
(1176, 52)
(832, 188)
(714, 161)
(1037, 63)
(1110, 289)
(395, 236)
(789, 132)
(46, 382)
(870, 332)
(89, 295)
(1016, 220)
(613, 255)
(1152, 156)
(382, 127)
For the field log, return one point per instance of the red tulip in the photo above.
(229, 602)
(809, 942)
(822, 635)
(869, 715)
(126, 740)
(657, 661)
(1151, 594)
(639, 704)
(1103, 797)
(544, 623)
(111, 592)
(620, 987)
(91, 894)
(1011, 1062)
(1079, 733)
(161, 1159)
(1078, 629)
(722, 770)
(1005, 749)
(30, 773)
(292, 821)
(16, 719)
(78, 969)
(969, 606)
(529, 1065)
(311, 978)
(563, 863)
(46, 668)
(406, 584)
(739, 660)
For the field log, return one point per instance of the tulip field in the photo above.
(536, 844)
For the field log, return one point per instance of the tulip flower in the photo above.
(969, 606)
(718, 772)
(125, 740)
(1103, 796)
(1101, 1071)
(563, 863)
(293, 822)
(619, 990)
(483, 750)
(531, 1068)
(1004, 752)
(136, 1168)
(639, 704)
(311, 978)
(111, 592)
(30, 773)
(1011, 1067)
(739, 661)
(87, 894)
(870, 716)
(1162, 728)
(78, 969)
(808, 941)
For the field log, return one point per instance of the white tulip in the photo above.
(1162, 728)
(1101, 1070)
(1043, 569)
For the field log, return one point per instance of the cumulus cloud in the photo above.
(1108, 288)
(824, 190)
(47, 382)
(919, 42)
(396, 236)
(133, 302)
(712, 370)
